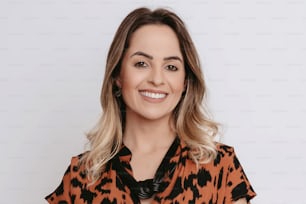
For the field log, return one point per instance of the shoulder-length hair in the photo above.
(191, 120)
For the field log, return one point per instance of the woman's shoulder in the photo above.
(78, 157)
(225, 154)
(223, 148)
(77, 164)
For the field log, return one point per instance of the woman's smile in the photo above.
(152, 76)
(153, 96)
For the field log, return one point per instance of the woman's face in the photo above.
(152, 76)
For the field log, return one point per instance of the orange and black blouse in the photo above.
(177, 180)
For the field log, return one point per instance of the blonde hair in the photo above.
(191, 118)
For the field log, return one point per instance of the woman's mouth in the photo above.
(153, 95)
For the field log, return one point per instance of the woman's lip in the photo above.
(153, 91)
(153, 95)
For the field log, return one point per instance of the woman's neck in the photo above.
(148, 135)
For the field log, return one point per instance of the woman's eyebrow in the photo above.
(140, 53)
(173, 58)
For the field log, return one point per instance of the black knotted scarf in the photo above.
(147, 188)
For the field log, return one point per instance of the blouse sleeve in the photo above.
(238, 185)
(62, 192)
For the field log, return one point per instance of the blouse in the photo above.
(177, 180)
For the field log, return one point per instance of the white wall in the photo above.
(52, 56)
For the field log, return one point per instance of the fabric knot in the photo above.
(146, 189)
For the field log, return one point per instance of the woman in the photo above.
(154, 142)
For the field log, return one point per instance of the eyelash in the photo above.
(142, 64)
(172, 68)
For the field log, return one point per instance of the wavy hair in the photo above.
(191, 118)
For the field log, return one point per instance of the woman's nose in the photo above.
(156, 76)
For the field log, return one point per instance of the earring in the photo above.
(118, 92)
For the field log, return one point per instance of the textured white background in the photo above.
(52, 56)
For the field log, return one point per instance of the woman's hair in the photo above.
(191, 120)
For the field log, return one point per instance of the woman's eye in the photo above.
(171, 68)
(140, 64)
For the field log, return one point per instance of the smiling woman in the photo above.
(154, 142)
(152, 76)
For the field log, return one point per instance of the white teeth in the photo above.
(153, 95)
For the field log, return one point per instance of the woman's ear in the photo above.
(186, 84)
(118, 82)
(118, 87)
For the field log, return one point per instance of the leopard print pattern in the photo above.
(221, 181)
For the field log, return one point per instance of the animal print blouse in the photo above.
(177, 180)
